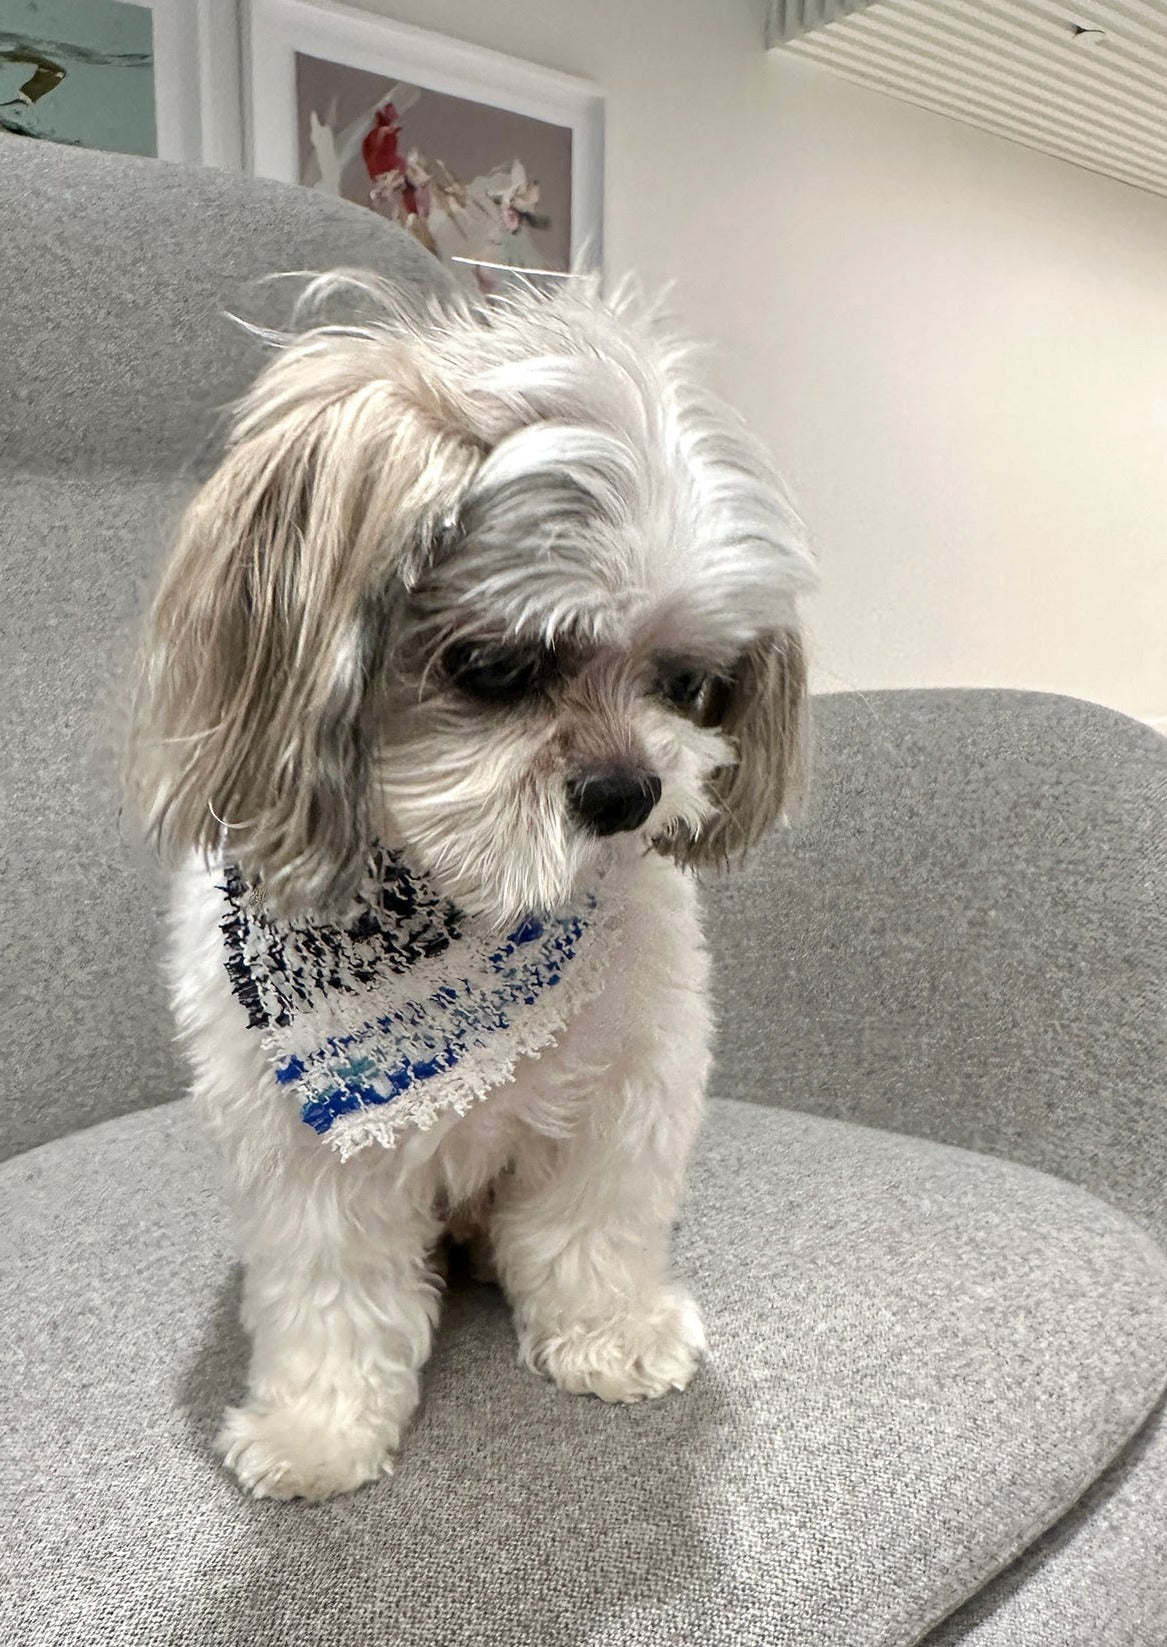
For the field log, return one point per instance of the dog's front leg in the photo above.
(582, 1237)
(340, 1303)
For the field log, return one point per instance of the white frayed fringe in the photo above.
(461, 1088)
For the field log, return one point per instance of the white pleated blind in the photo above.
(1086, 82)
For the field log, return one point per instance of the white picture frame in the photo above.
(275, 30)
(197, 76)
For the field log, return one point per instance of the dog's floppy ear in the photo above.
(761, 706)
(266, 643)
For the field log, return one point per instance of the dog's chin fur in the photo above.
(540, 477)
(478, 800)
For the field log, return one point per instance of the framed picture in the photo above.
(495, 165)
(153, 77)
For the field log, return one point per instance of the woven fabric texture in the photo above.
(117, 274)
(921, 1357)
(968, 937)
(81, 1008)
(1097, 1579)
(375, 1025)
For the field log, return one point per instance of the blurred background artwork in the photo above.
(80, 72)
(484, 189)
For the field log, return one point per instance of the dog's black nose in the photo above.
(608, 802)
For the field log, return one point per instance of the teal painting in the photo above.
(78, 71)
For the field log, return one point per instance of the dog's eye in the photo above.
(684, 688)
(497, 674)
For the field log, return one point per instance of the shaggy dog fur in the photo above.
(502, 587)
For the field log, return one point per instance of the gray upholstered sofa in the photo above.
(932, 1410)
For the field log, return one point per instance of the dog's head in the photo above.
(502, 587)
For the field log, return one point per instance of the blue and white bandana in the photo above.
(407, 1009)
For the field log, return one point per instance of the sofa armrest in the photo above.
(967, 937)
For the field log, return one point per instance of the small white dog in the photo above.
(481, 634)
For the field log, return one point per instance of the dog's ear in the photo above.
(761, 706)
(267, 642)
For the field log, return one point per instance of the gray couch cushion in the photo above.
(1097, 1579)
(967, 938)
(83, 1017)
(116, 273)
(921, 1358)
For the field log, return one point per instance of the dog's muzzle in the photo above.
(611, 802)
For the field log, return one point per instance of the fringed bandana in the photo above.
(407, 1009)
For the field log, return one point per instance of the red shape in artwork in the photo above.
(382, 155)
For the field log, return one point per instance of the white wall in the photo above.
(956, 347)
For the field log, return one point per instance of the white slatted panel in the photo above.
(1018, 68)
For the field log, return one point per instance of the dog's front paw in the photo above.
(631, 1357)
(294, 1452)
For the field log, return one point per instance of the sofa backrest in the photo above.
(967, 937)
(116, 362)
